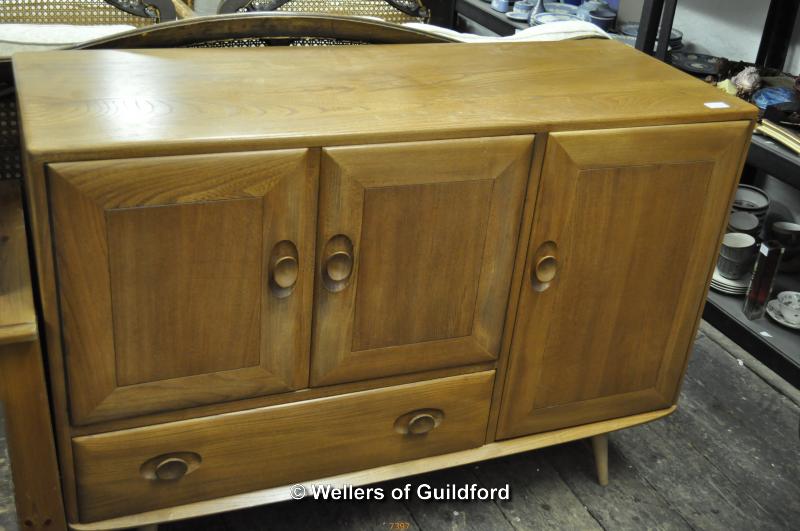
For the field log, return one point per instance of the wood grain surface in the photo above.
(164, 291)
(280, 445)
(424, 294)
(23, 388)
(632, 218)
(17, 313)
(382, 473)
(118, 100)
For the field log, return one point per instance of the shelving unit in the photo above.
(774, 345)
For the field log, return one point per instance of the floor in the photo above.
(728, 459)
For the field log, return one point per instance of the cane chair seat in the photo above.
(74, 12)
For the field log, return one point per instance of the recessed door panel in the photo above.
(185, 288)
(625, 232)
(183, 280)
(415, 250)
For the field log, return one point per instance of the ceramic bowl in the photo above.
(546, 18)
(743, 222)
(790, 306)
(603, 18)
(751, 199)
(787, 233)
(587, 7)
(501, 5)
(524, 7)
(560, 9)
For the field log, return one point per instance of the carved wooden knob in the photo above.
(339, 265)
(284, 273)
(546, 269)
(421, 424)
(418, 422)
(171, 469)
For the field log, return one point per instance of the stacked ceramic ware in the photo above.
(739, 249)
(753, 201)
(735, 263)
(787, 234)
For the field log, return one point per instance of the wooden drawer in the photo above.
(118, 473)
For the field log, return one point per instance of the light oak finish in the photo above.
(378, 474)
(516, 282)
(600, 450)
(413, 261)
(421, 295)
(23, 391)
(309, 393)
(441, 91)
(17, 313)
(241, 452)
(163, 263)
(632, 217)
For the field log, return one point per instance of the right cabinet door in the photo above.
(626, 228)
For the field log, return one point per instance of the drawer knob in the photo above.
(419, 422)
(170, 467)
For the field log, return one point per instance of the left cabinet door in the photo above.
(183, 280)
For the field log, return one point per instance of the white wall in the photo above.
(727, 28)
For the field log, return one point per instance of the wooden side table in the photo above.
(23, 390)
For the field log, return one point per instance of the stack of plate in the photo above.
(696, 63)
(728, 286)
(753, 201)
(675, 37)
(546, 18)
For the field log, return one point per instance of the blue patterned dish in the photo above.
(546, 18)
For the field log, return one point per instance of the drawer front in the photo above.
(142, 469)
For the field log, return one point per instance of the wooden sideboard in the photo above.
(408, 257)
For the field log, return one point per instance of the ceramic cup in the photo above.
(500, 5)
(524, 6)
(790, 306)
(737, 256)
(603, 18)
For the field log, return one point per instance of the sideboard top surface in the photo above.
(122, 103)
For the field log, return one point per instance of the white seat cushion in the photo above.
(31, 37)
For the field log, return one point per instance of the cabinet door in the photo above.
(625, 235)
(415, 250)
(183, 280)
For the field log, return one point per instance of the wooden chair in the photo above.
(137, 13)
(397, 11)
(438, 12)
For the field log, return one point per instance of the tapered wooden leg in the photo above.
(600, 447)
